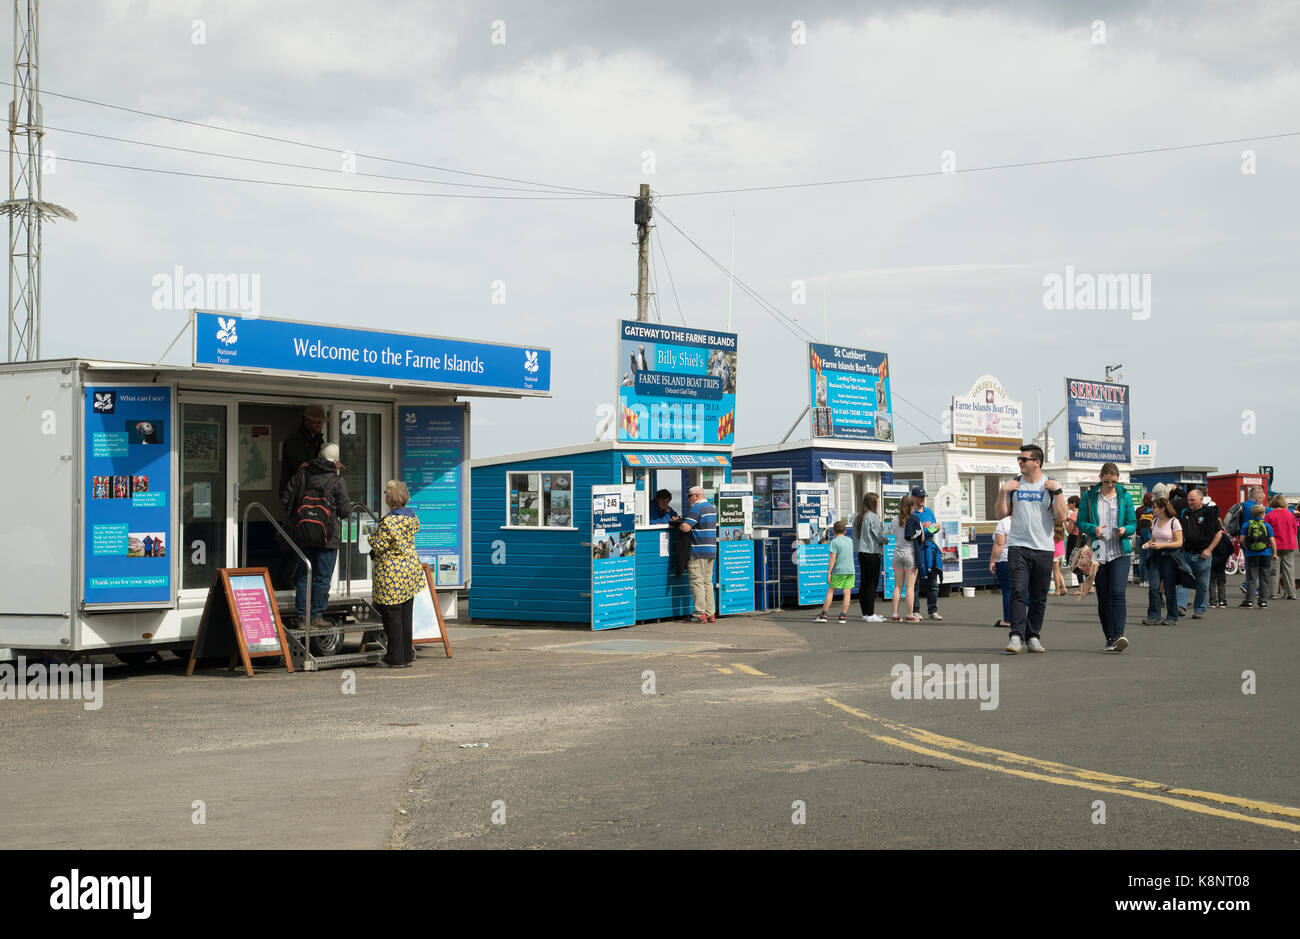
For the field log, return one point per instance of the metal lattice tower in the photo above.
(25, 207)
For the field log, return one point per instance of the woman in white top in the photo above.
(1166, 538)
(999, 568)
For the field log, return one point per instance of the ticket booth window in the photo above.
(539, 500)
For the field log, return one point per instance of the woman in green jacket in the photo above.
(398, 574)
(1107, 518)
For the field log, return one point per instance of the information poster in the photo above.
(947, 512)
(849, 393)
(255, 616)
(1134, 492)
(890, 495)
(254, 456)
(1097, 419)
(127, 549)
(676, 385)
(986, 419)
(1145, 456)
(813, 520)
(735, 550)
(613, 556)
(432, 454)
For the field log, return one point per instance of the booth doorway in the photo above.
(232, 456)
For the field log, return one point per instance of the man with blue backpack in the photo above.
(1258, 545)
(315, 500)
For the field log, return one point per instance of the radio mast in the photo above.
(25, 207)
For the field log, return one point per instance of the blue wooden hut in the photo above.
(531, 528)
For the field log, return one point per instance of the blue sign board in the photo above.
(676, 385)
(431, 456)
(735, 549)
(261, 344)
(1097, 418)
(812, 512)
(735, 577)
(849, 393)
(814, 562)
(613, 556)
(127, 534)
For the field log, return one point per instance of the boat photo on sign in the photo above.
(1098, 420)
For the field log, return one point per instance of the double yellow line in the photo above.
(1059, 774)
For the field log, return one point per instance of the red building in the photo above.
(1227, 489)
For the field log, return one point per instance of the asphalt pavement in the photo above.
(757, 731)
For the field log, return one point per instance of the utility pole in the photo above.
(25, 207)
(642, 216)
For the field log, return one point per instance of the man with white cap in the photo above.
(701, 521)
(314, 501)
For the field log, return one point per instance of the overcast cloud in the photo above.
(945, 273)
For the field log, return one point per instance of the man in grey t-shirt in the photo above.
(1035, 504)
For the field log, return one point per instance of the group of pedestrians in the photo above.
(916, 560)
(1177, 539)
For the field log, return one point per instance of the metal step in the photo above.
(315, 663)
(349, 629)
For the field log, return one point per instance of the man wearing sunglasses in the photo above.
(1035, 503)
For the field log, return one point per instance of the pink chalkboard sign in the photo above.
(240, 620)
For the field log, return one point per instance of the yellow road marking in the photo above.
(725, 671)
(749, 671)
(1063, 775)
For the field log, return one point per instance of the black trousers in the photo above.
(870, 564)
(398, 626)
(1031, 572)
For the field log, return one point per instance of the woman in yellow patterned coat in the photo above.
(398, 575)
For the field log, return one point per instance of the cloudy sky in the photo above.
(945, 272)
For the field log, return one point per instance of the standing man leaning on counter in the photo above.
(701, 520)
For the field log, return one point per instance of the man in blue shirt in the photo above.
(927, 556)
(701, 520)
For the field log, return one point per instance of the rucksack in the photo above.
(1256, 536)
(313, 520)
(1232, 521)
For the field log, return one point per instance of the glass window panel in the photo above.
(203, 491)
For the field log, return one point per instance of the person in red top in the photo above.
(1284, 530)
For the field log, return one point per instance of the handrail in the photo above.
(354, 530)
(243, 559)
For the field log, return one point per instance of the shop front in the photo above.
(141, 481)
(1187, 477)
(987, 428)
(850, 449)
(574, 535)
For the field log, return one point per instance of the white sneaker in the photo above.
(1110, 647)
(1014, 645)
(874, 618)
(1035, 645)
(1121, 644)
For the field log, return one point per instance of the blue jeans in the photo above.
(1112, 596)
(1003, 572)
(1162, 572)
(1201, 570)
(322, 569)
(1142, 564)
